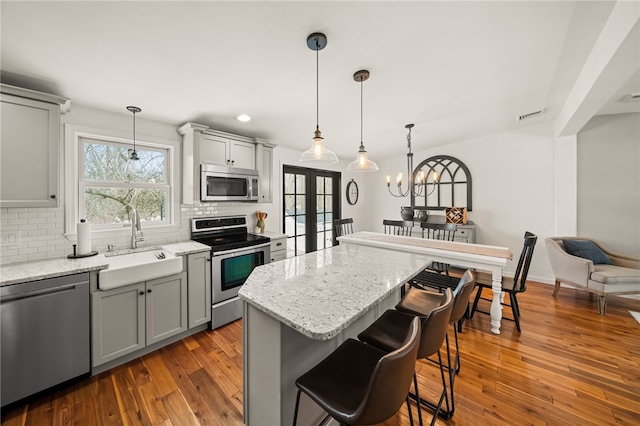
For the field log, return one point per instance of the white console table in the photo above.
(476, 256)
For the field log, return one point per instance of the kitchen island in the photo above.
(299, 310)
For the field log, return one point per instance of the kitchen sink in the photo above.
(131, 268)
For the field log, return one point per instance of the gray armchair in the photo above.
(622, 276)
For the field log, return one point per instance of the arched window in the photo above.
(451, 187)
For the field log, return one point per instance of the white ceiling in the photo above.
(455, 69)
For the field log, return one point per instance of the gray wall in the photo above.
(609, 182)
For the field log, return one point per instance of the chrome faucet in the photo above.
(136, 229)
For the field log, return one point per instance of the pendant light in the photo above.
(361, 163)
(133, 162)
(318, 154)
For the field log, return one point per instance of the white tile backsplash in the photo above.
(38, 233)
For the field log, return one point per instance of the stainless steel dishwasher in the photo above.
(45, 334)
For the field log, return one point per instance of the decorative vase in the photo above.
(406, 213)
(261, 226)
(421, 214)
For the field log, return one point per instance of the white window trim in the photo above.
(73, 134)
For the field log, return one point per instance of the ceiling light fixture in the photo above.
(362, 163)
(243, 117)
(318, 154)
(417, 179)
(133, 165)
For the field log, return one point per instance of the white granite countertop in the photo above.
(13, 273)
(321, 293)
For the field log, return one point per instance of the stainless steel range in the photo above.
(234, 254)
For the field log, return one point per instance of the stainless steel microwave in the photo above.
(221, 183)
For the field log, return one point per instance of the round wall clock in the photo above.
(352, 192)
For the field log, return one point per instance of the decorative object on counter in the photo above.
(417, 182)
(75, 254)
(261, 216)
(133, 165)
(420, 213)
(352, 192)
(361, 163)
(318, 154)
(83, 237)
(406, 212)
(457, 215)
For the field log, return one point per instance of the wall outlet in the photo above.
(8, 238)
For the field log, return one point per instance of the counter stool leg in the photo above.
(415, 387)
(295, 413)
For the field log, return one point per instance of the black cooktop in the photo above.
(224, 233)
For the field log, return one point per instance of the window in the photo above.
(110, 187)
(103, 186)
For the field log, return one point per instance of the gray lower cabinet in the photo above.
(199, 272)
(127, 319)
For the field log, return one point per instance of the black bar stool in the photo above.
(387, 331)
(420, 300)
(361, 384)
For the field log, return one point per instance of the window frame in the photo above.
(75, 182)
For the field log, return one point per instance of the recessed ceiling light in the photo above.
(243, 118)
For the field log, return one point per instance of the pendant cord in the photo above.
(317, 82)
(361, 114)
(134, 131)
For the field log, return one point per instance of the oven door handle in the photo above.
(250, 249)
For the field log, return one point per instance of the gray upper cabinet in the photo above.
(29, 147)
(264, 164)
(227, 152)
(202, 145)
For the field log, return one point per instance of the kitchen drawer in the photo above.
(278, 244)
(278, 255)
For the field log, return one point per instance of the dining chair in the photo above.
(343, 226)
(398, 227)
(442, 232)
(511, 286)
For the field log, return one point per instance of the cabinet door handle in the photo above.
(233, 162)
(141, 293)
(149, 291)
(208, 259)
(53, 196)
(278, 244)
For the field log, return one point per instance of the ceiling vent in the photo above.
(631, 97)
(530, 115)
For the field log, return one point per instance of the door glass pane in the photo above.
(300, 184)
(301, 204)
(289, 183)
(319, 185)
(289, 205)
(300, 245)
(328, 185)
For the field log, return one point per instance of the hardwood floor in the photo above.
(569, 366)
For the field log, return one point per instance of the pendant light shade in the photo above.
(362, 162)
(318, 154)
(132, 167)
